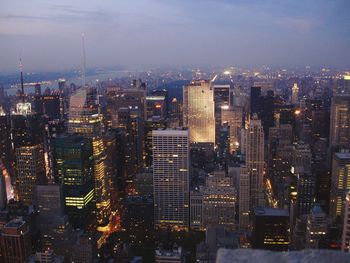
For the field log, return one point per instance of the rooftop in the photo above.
(15, 223)
(269, 211)
(264, 256)
(343, 155)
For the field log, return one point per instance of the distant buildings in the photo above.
(171, 178)
(295, 94)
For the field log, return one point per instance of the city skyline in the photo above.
(174, 33)
(174, 131)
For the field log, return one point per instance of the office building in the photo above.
(255, 94)
(244, 198)
(6, 150)
(3, 192)
(15, 242)
(151, 124)
(340, 121)
(132, 124)
(156, 107)
(232, 116)
(171, 178)
(48, 105)
(132, 98)
(198, 111)
(196, 209)
(75, 170)
(271, 229)
(85, 119)
(340, 184)
(306, 185)
(26, 130)
(222, 95)
(316, 227)
(83, 113)
(175, 255)
(30, 167)
(219, 201)
(255, 161)
(56, 232)
(346, 225)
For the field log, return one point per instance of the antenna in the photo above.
(84, 61)
(22, 85)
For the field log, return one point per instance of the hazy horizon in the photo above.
(152, 34)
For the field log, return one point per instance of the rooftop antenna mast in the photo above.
(22, 84)
(84, 61)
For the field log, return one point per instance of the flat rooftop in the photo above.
(15, 223)
(269, 211)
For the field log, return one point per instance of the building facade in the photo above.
(171, 178)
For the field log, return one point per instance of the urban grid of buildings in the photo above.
(174, 166)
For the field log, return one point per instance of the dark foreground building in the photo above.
(271, 229)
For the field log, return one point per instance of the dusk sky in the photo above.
(139, 34)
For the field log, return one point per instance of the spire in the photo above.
(84, 61)
(22, 85)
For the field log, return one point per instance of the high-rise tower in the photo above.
(255, 161)
(171, 178)
(340, 121)
(30, 166)
(198, 107)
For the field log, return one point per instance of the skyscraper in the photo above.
(244, 200)
(15, 245)
(233, 117)
(346, 225)
(271, 229)
(255, 161)
(340, 184)
(219, 201)
(3, 193)
(171, 178)
(83, 113)
(75, 170)
(295, 93)
(222, 95)
(306, 184)
(124, 98)
(6, 151)
(52, 222)
(30, 166)
(316, 227)
(85, 119)
(340, 121)
(198, 110)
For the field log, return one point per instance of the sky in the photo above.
(141, 34)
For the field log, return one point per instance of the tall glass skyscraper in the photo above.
(75, 170)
